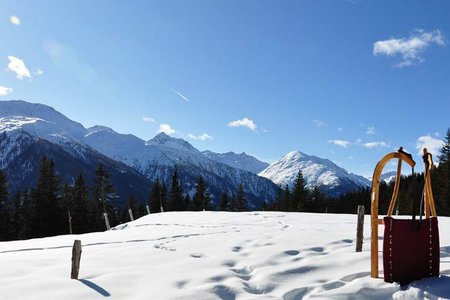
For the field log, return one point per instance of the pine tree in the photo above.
(299, 193)
(233, 203)
(440, 179)
(444, 157)
(224, 202)
(241, 202)
(131, 204)
(18, 219)
(67, 203)
(80, 206)
(187, 203)
(176, 194)
(48, 216)
(157, 197)
(201, 197)
(286, 199)
(5, 210)
(103, 193)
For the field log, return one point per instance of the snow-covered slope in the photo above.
(317, 171)
(212, 255)
(240, 161)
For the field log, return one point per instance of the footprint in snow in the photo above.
(197, 255)
(291, 252)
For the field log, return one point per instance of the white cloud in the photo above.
(319, 123)
(432, 144)
(370, 130)
(340, 129)
(166, 128)
(14, 20)
(340, 143)
(5, 90)
(202, 137)
(18, 66)
(148, 119)
(371, 145)
(409, 49)
(245, 122)
(38, 72)
(181, 95)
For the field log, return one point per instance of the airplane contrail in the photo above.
(181, 95)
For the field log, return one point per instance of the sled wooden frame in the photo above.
(429, 207)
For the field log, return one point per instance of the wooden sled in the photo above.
(429, 207)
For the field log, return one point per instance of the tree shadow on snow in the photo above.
(95, 287)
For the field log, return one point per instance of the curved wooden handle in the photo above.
(401, 156)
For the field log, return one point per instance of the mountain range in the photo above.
(30, 130)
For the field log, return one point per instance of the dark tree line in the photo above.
(52, 208)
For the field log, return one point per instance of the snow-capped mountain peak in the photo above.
(316, 171)
(240, 161)
(165, 140)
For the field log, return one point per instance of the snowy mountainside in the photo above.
(159, 157)
(155, 159)
(329, 177)
(240, 161)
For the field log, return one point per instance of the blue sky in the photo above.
(344, 80)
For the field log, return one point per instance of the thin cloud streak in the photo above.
(340, 143)
(202, 137)
(181, 95)
(372, 145)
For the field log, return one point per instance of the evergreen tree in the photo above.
(5, 210)
(176, 194)
(157, 197)
(241, 202)
(233, 203)
(201, 197)
(132, 204)
(187, 203)
(80, 206)
(29, 216)
(299, 193)
(18, 219)
(224, 202)
(48, 216)
(67, 203)
(444, 157)
(317, 200)
(440, 179)
(103, 193)
(286, 199)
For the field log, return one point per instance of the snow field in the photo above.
(212, 255)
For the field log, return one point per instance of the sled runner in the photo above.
(410, 246)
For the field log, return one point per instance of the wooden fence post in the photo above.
(130, 212)
(105, 216)
(360, 228)
(76, 256)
